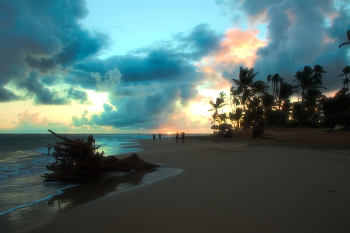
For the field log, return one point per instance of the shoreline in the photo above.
(111, 183)
(226, 185)
(313, 138)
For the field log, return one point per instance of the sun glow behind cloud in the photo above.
(239, 47)
(26, 113)
(236, 48)
(98, 99)
(167, 79)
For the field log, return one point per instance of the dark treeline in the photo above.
(269, 103)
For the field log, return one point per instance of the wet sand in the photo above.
(296, 181)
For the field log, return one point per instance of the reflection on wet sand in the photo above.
(112, 183)
(84, 193)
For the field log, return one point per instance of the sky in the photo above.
(112, 66)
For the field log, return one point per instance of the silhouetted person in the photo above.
(154, 137)
(183, 137)
(160, 137)
(177, 137)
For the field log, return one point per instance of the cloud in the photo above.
(83, 120)
(147, 85)
(159, 63)
(183, 121)
(47, 56)
(7, 95)
(41, 35)
(42, 95)
(138, 111)
(77, 95)
(109, 81)
(299, 33)
(239, 47)
(199, 42)
(32, 123)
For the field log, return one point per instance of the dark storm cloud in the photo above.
(157, 65)
(42, 34)
(160, 64)
(45, 96)
(42, 64)
(78, 95)
(42, 95)
(84, 46)
(277, 27)
(199, 42)
(49, 80)
(7, 95)
(81, 78)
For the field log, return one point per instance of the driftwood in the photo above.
(79, 160)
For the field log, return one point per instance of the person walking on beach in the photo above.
(160, 137)
(183, 137)
(177, 137)
(154, 137)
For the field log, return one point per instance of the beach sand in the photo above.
(296, 181)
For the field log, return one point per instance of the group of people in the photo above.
(182, 137)
(154, 137)
(177, 137)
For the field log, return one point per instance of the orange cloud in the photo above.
(239, 47)
(33, 118)
(223, 84)
(209, 70)
(327, 39)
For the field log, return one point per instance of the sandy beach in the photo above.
(297, 180)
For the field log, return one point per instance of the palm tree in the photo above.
(309, 79)
(254, 109)
(215, 106)
(219, 103)
(346, 82)
(286, 91)
(268, 102)
(243, 83)
(222, 96)
(259, 87)
(276, 79)
(348, 42)
(312, 98)
(215, 117)
(297, 79)
(268, 79)
(223, 117)
(234, 97)
(346, 71)
(236, 116)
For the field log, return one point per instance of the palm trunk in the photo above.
(298, 90)
(302, 108)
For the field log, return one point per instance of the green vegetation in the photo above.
(252, 104)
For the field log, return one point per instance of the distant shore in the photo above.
(296, 181)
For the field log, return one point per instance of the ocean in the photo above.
(22, 162)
